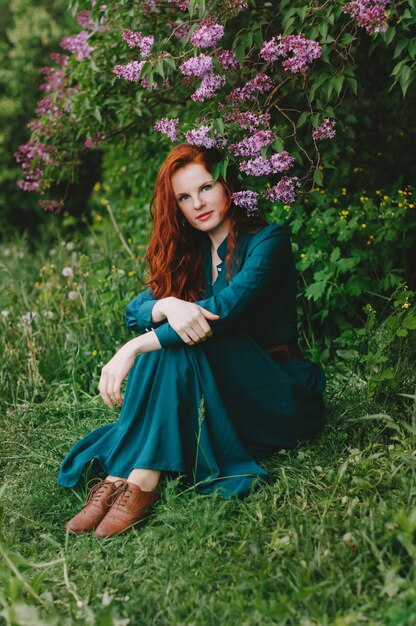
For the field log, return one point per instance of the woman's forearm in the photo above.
(148, 342)
(159, 309)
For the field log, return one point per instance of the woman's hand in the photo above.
(189, 320)
(113, 374)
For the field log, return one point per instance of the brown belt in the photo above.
(285, 351)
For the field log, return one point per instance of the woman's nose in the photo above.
(198, 203)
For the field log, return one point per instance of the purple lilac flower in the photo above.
(262, 165)
(208, 87)
(238, 4)
(47, 106)
(325, 130)
(136, 40)
(149, 5)
(251, 146)
(247, 119)
(305, 51)
(59, 59)
(169, 127)
(197, 66)
(284, 191)
(281, 161)
(83, 19)
(200, 137)
(146, 84)
(370, 14)
(183, 5)
(261, 82)
(78, 45)
(131, 71)
(54, 79)
(246, 199)
(25, 155)
(228, 60)
(207, 34)
(179, 30)
(53, 206)
(256, 167)
(93, 142)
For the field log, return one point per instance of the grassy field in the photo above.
(330, 540)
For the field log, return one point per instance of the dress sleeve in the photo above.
(262, 271)
(139, 312)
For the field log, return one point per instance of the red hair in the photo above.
(175, 252)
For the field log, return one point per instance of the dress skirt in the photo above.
(209, 411)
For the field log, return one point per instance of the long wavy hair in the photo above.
(175, 252)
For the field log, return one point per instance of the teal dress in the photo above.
(211, 411)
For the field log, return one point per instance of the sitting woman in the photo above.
(217, 381)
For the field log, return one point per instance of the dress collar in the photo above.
(222, 248)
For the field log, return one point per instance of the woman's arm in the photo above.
(263, 270)
(143, 312)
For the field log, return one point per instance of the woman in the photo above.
(217, 381)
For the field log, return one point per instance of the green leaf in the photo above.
(317, 178)
(97, 115)
(216, 170)
(192, 4)
(346, 39)
(302, 119)
(338, 82)
(223, 168)
(401, 45)
(353, 84)
(159, 68)
(335, 254)
(410, 322)
(278, 145)
(315, 290)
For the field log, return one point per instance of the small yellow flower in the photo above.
(129, 239)
(411, 206)
(335, 200)
(378, 192)
(363, 225)
(385, 197)
(96, 187)
(131, 273)
(98, 217)
(94, 353)
(344, 191)
(104, 201)
(302, 256)
(406, 305)
(286, 207)
(400, 203)
(106, 187)
(36, 284)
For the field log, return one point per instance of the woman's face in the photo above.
(197, 194)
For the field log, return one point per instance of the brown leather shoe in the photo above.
(100, 498)
(128, 509)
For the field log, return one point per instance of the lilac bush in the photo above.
(256, 82)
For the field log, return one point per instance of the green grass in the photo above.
(330, 540)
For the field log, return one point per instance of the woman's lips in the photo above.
(205, 216)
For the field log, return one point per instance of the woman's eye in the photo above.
(209, 186)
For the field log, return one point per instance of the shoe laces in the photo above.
(123, 493)
(116, 491)
(95, 491)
